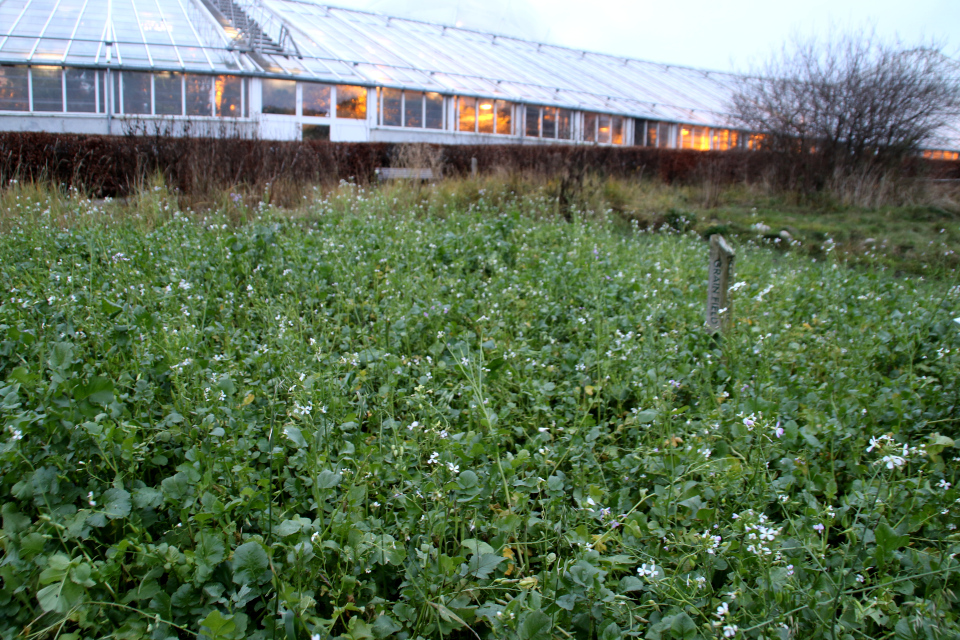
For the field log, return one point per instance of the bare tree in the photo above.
(850, 103)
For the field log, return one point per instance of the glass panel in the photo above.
(316, 100)
(663, 138)
(136, 92)
(229, 96)
(603, 129)
(701, 138)
(434, 108)
(199, 94)
(13, 89)
(351, 102)
(617, 130)
(565, 124)
(81, 90)
(390, 113)
(549, 123)
(412, 109)
(47, 89)
(590, 127)
(102, 84)
(504, 117)
(468, 114)
(316, 132)
(686, 138)
(280, 97)
(533, 122)
(652, 138)
(168, 94)
(115, 91)
(485, 116)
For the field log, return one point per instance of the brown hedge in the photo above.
(113, 166)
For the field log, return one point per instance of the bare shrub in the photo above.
(847, 106)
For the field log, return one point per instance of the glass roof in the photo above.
(157, 34)
(347, 46)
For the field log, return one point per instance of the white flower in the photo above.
(892, 462)
(722, 610)
(729, 631)
(943, 484)
(818, 527)
(434, 458)
(648, 570)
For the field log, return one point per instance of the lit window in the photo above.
(504, 117)
(199, 95)
(14, 91)
(433, 107)
(137, 93)
(229, 96)
(48, 89)
(81, 90)
(604, 129)
(168, 94)
(617, 130)
(390, 100)
(485, 116)
(686, 138)
(548, 123)
(467, 108)
(279, 97)
(590, 127)
(316, 100)
(755, 141)
(351, 102)
(413, 109)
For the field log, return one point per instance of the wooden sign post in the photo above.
(718, 283)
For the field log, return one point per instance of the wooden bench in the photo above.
(390, 173)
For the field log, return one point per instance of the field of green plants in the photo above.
(394, 417)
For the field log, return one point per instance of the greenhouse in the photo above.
(291, 70)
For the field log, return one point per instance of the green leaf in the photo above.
(328, 479)
(295, 436)
(249, 563)
(60, 597)
(481, 566)
(646, 416)
(216, 626)
(289, 527)
(110, 308)
(630, 583)
(98, 390)
(683, 627)
(610, 632)
(147, 498)
(536, 625)
(116, 503)
(887, 538)
(210, 549)
(61, 355)
(477, 547)
(385, 626)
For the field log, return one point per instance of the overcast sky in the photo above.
(711, 34)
